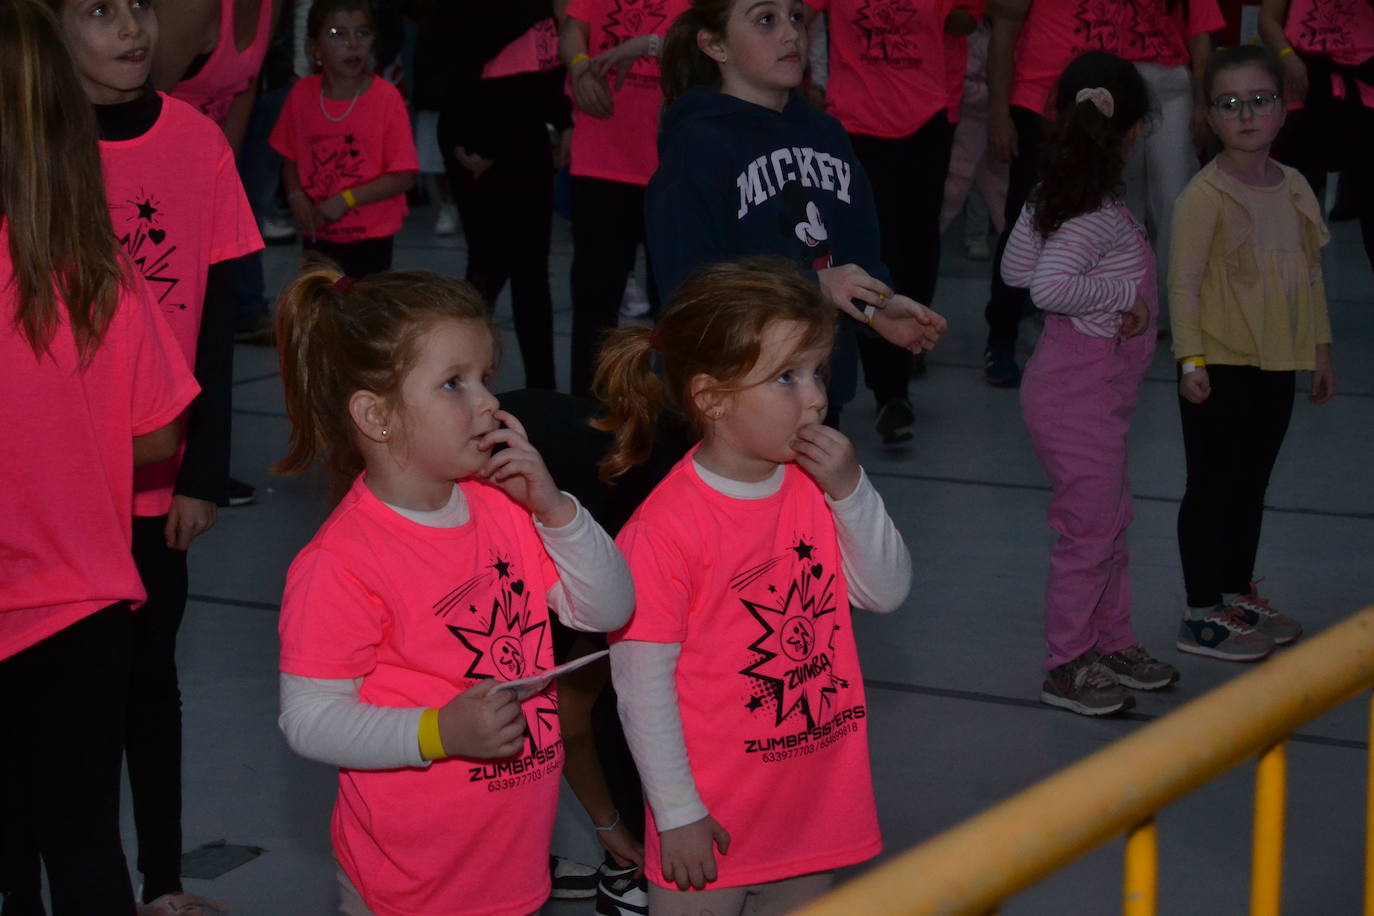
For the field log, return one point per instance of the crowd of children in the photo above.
(787, 168)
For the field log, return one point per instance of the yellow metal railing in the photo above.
(975, 866)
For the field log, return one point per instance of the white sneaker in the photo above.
(634, 303)
(446, 223)
(277, 231)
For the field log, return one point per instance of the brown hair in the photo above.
(321, 10)
(682, 63)
(713, 325)
(1244, 56)
(52, 192)
(335, 338)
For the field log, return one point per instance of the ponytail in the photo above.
(713, 327)
(683, 64)
(336, 337)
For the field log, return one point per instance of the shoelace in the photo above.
(1095, 674)
(1233, 618)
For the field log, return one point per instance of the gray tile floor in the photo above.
(953, 676)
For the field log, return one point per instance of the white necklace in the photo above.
(324, 111)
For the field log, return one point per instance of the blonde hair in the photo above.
(336, 336)
(713, 326)
(52, 193)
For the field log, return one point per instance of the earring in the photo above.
(717, 413)
(385, 433)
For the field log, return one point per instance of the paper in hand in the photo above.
(527, 687)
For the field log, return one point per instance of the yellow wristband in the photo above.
(579, 59)
(1195, 360)
(1286, 51)
(431, 745)
(349, 198)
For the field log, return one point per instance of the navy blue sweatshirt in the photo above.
(737, 179)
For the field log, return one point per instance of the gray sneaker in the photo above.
(1139, 670)
(1085, 686)
(1224, 634)
(1281, 628)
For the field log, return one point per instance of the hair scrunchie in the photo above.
(1101, 99)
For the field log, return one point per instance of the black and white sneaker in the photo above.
(620, 893)
(896, 422)
(572, 880)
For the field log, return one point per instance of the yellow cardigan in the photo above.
(1228, 299)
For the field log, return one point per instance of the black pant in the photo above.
(1231, 441)
(908, 178)
(607, 229)
(507, 216)
(1006, 303)
(356, 259)
(152, 741)
(1329, 134)
(63, 721)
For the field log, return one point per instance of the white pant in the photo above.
(1162, 161)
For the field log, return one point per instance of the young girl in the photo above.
(177, 206)
(749, 167)
(1087, 263)
(80, 333)
(429, 586)
(346, 140)
(738, 675)
(1249, 310)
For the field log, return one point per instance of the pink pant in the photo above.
(1077, 397)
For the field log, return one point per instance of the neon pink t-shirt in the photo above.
(1057, 31)
(887, 64)
(66, 468)
(228, 72)
(421, 614)
(370, 139)
(768, 679)
(956, 59)
(1340, 29)
(622, 147)
(535, 51)
(177, 207)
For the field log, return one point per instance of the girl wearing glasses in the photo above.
(346, 139)
(1249, 310)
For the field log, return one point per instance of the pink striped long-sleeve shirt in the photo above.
(1090, 269)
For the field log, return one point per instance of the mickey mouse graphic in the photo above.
(802, 218)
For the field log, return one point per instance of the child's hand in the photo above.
(909, 324)
(623, 847)
(842, 285)
(828, 456)
(482, 722)
(187, 520)
(332, 209)
(1323, 380)
(1195, 386)
(591, 93)
(1137, 320)
(303, 214)
(687, 857)
(520, 471)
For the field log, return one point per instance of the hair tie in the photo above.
(1101, 99)
(656, 340)
(343, 284)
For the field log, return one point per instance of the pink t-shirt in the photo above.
(1057, 31)
(177, 207)
(421, 614)
(887, 64)
(66, 467)
(622, 147)
(532, 52)
(228, 72)
(956, 59)
(359, 141)
(768, 679)
(1340, 29)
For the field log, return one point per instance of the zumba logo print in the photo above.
(1326, 25)
(138, 225)
(506, 637)
(887, 33)
(546, 44)
(1097, 24)
(336, 163)
(792, 676)
(630, 18)
(1147, 33)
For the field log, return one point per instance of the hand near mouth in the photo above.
(827, 456)
(519, 470)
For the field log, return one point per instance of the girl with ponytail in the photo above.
(428, 588)
(1088, 264)
(746, 559)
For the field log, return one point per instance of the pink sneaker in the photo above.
(181, 904)
(1281, 628)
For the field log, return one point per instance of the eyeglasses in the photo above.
(342, 36)
(1261, 104)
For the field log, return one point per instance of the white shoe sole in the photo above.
(1207, 652)
(1054, 699)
